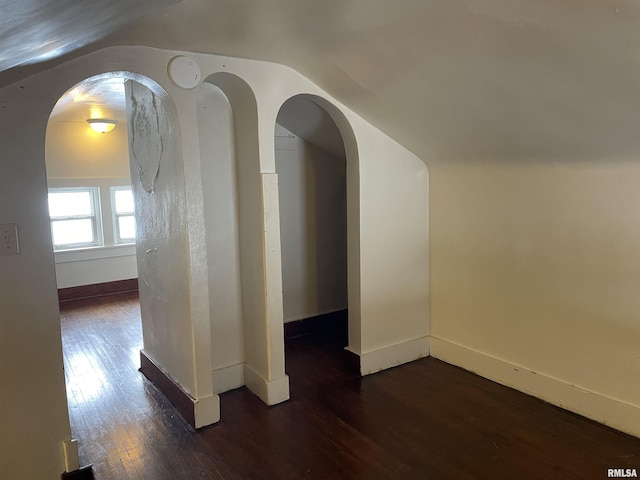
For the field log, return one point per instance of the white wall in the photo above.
(158, 187)
(394, 255)
(389, 194)
(74, 150)
(77, 156)
(96, 265)
(258, 245)
(33, 400)
(535, 279)
(313, 227)
(220, 190)
(534, 265)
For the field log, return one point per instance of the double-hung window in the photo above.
(75, 217)
(124, 220)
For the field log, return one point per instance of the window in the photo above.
(75, 217)
(124, 221)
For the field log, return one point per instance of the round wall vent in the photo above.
(184, 72)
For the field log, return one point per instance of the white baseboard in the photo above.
(228, 378)
(393, 355)
(206, 411)
(270, 392)
(71, 456)
(609, 411)
(236, 376)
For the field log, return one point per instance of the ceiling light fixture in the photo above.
(102, 125)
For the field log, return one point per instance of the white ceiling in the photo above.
(98, 97)
(506, 80)
(37, 30)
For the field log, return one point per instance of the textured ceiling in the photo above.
(36, 30)
(97, 97)
(501, 80)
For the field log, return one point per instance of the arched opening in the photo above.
(143, 154)
(316, 165)
(221, 220)
(247, 342)
(90, 198)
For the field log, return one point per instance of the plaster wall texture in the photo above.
(33, 397)
(30, 322)
(162, 247)
(219, 177)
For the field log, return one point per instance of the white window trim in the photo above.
(95, 217)
(115, 216)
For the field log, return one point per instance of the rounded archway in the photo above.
(143, 154)
(246, 336)
(317, 166)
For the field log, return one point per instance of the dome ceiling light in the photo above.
(102, 125)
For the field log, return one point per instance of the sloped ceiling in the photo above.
(465, 80)
(32, 31)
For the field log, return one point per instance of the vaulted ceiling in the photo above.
(500, 80)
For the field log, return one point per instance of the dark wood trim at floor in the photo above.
(334, 325)
(352, 362)
(97, 290)
(183, 402)
(335, 322)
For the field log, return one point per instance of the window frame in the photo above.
(94, 216)
(118, 240)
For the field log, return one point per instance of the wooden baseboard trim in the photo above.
(84, 473)
(97, 290)
(183, 402)
(336, 322)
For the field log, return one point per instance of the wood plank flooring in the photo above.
(424, 420)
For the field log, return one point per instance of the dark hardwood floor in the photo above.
(424, 420)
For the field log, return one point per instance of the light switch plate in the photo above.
(9, 239)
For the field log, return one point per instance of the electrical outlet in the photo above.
(9, 239)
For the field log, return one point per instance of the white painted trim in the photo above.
(71, 456)
(393, 355)
(609, 411)
(206, 411)
(95, 253)
(270, 392)
(228, 378)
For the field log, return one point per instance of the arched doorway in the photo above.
(316, 163)
(247, 340)
(150, 133)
